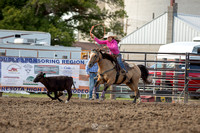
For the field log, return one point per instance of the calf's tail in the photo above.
(73, 85)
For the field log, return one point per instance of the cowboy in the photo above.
(112, 44)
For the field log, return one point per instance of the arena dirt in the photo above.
(43, 115)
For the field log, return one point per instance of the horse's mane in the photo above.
(108, 56)
(111, 58)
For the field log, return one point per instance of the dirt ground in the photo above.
(43, 115)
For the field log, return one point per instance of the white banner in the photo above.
(20, 74)
(17, 73)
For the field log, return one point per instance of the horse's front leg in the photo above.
(106, 86)
(98, 83)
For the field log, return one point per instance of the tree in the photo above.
(48, 16)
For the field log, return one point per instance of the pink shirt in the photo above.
(113, 46)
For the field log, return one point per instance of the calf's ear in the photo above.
(44, 74)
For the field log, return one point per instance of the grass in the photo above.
(24, 95)
(40, 95)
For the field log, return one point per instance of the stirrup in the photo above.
(123, 71)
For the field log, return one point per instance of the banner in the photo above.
(18, 73)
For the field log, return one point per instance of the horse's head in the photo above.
(39, 77)
(95, 56)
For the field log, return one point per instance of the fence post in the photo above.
(175, 79)
(163, 74)
(186, 78)
(145, 64)
(112, 89)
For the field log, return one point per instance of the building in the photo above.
(25, 37)
(34, 44)
(140, 12)
(169, 27)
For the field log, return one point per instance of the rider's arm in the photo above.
(100, 41)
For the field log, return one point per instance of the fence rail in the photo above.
(172, 74)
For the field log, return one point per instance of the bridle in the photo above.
(100, 59)
(95, 57)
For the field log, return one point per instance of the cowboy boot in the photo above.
(124, 72)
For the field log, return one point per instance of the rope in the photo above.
(92, 30)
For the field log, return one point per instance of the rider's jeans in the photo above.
(119, 59)
(92, 82)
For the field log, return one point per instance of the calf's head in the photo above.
(39, 77)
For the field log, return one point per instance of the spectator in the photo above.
(85, 57)
(92, 73)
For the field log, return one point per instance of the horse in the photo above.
(109, 73)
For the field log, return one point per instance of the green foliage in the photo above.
(47, 16)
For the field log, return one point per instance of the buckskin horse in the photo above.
(109, 73)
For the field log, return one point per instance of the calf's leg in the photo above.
(69, 91)
(56, 96)
(48, 94)
(60, 93)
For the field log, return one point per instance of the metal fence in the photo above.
(175, 75)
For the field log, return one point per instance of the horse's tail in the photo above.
(144, 73)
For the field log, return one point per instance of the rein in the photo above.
(101, 74)
(114, 68)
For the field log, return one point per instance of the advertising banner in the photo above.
(18, 73)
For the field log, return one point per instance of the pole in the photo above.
(186, 78)
(175, 80)
(145, 64)
(112, 89)
(163, 74)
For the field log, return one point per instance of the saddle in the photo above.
(113, 59)
(118, 69)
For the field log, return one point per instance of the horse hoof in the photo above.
(134, 102)
(66, 101)
(101, 99)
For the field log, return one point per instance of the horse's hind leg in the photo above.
(134, 87)
(137, 96)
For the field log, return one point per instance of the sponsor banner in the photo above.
(41, 60)
(40, 89)
(18, 71)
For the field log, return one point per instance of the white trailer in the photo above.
(25, 37)
(179, 47)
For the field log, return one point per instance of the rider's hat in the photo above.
(110, 34)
